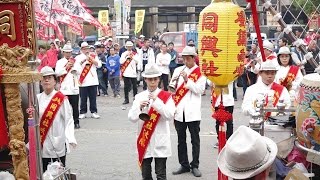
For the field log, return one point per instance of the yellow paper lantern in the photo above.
(222, 42)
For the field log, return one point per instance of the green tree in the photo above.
(309, 6)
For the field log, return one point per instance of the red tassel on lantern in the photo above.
(4, 139)
(222, 116)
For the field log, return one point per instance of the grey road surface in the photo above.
(106, 147)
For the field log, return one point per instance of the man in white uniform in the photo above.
(88, 80)
(157, 129)
(189, 89)
(56, 123)
(129, 61)
(68, 71)
(262, 89)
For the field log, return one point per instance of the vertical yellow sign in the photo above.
(139, 19)
(103, 18)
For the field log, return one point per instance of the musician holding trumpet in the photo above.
(188, 85)
(68, 71)
(88, 80)
(153, 132)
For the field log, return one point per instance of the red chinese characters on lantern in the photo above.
(209, 69)
(241, 19)
(241, 56)
(209, 43)
(239, 70)
(210, 22)
(242, 38)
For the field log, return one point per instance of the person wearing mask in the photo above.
(129, 61)
(163, 60)
(288, 75)
(157, 144)
(146, 55)
(263, 88)
(68, 72)
(113, 66)
(247, 155)
(56, 124)
(189, 85)
(88, 80)
(173, 61)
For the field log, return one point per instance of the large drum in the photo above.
(308, 112)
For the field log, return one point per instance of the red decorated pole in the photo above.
(257, 27)
(4, 138)
(222, 116)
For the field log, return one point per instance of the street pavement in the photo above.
(107, 146)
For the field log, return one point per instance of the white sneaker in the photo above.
(95, 115)
(82, 116)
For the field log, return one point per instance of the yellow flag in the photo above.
(103, 18)
(139, 19)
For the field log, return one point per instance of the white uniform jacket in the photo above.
(282, 74)
(131, 70)
(92, 78)
(190, 104)
(258, 91)
(163, 61)
(228, 99)
(151, 57)
(160, 143)
(61, 132)
(70, 84)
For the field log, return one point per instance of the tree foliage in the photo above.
(309, 6)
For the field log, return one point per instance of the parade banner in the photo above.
(118, 7)
(139, 20)
(16, 24)
(103, 17)
(126, 17)
(75, 9)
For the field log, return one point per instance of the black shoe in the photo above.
(125, 102)
(77, 126)
(196, 172)
(181, 170)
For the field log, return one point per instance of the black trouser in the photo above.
(74, 102)
(172, 70)
(91, 93)
(127, 86)
(194, 129)
(160, 168)
(47, 161)
(165, 81)
(229, 123)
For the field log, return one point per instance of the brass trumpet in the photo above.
(173, 87)
(144, 115)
